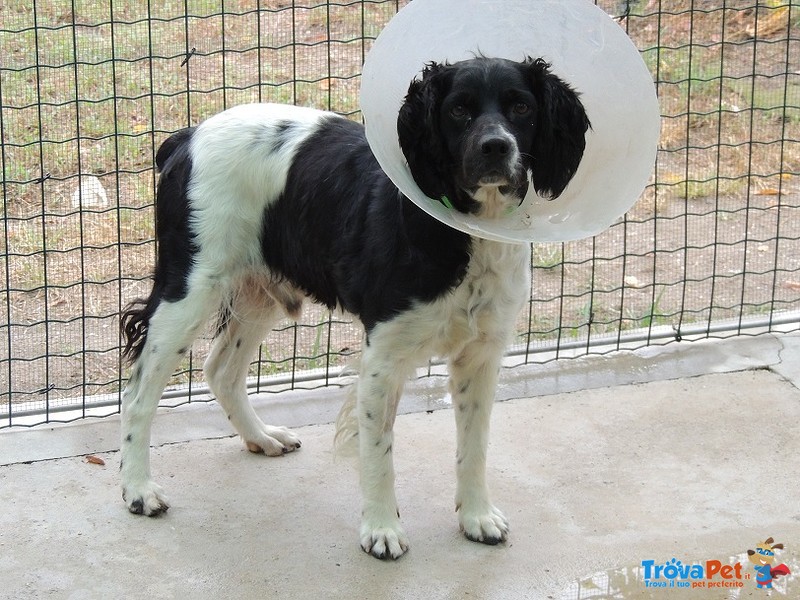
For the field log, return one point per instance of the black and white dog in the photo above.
(262, 206)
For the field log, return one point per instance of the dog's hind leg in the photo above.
(473, 378)
(251, 314)
(170, 332)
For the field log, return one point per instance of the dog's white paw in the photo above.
(146, 498)
(387, 540)
(273, 441)
(483, 523)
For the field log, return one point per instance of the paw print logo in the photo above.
(672, 568)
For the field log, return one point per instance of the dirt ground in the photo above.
(714, 237)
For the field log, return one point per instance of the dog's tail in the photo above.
(135, 318)
(133, 325)
(171, 144)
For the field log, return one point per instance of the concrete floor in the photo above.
(691, 452)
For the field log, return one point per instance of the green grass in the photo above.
(653, 315)
(548, 256)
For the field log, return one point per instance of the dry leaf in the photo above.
(95, 460)
(768, 192)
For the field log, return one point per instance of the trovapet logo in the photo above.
(712, 574)
(708, 574)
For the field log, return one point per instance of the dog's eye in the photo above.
(521, 108)
(459, 111)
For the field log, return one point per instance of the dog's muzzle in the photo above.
(492, 158)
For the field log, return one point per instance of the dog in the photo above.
(262, 206)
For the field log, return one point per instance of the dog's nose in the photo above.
(495, 146)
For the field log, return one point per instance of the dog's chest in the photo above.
(482, 308)
(486, 303)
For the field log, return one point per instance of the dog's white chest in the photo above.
(492, 293)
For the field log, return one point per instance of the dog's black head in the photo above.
(471, 132)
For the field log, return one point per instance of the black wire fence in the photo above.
(88, 90)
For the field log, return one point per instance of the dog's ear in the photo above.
(420, 136)
(561, 129)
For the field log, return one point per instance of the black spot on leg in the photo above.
(154, 349)
(182, 351)
(464, 387)
(137, 507)
(389, 449)
(239, 343)
(129, 438)
(368, 415)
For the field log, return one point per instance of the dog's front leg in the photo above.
(379, 387)
(473, 377)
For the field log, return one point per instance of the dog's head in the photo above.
(473, 130)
